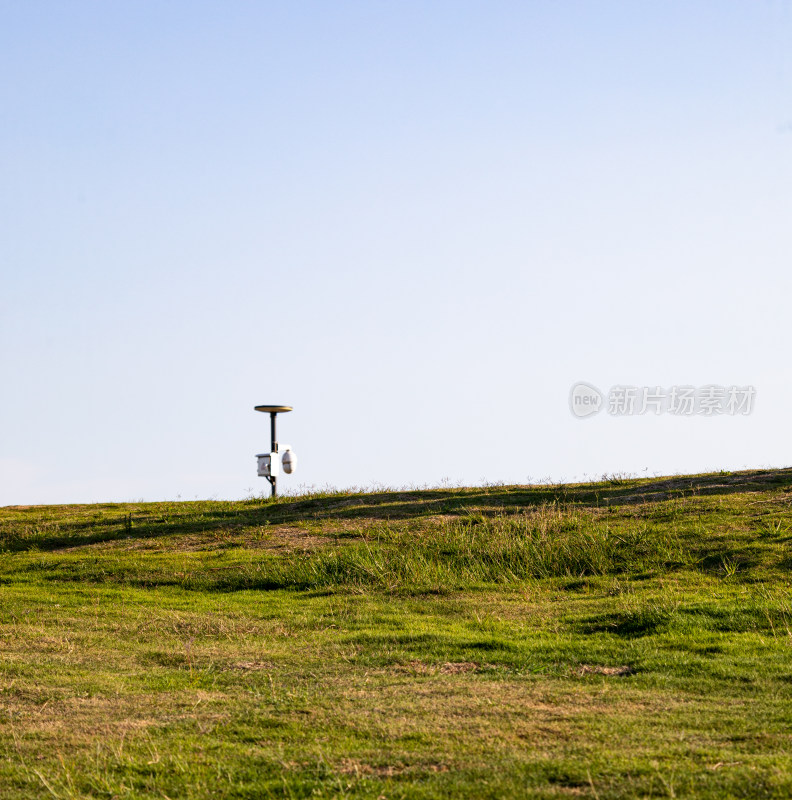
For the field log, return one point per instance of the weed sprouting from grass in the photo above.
(730, 566)
(773, 528)
(618, 478)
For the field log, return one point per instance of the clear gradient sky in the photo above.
(419, 223)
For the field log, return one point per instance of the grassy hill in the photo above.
(630, 638)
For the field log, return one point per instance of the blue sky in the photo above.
(419, 223)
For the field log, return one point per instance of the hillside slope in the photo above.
(621, 639)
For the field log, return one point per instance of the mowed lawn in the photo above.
(631, 638)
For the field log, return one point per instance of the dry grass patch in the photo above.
(253, 666)
(349, 766)
(448, 668)
(593, 669)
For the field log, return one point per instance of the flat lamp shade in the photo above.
(274, 409)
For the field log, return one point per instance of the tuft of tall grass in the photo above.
(457, 553)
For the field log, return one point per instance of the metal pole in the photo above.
(273, 449)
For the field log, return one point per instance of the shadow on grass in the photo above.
(628, 625)
(41, 528)
(499, 499)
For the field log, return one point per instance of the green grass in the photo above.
(631, 638)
